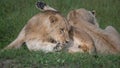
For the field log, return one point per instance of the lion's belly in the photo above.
(37, 45)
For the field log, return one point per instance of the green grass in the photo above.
(14, 14)
(23, 58)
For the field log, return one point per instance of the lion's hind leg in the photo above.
(18, 41)
(111, 30)
(114, 36)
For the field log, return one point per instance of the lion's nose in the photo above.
(66, 41)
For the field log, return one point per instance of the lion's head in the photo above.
(83, 14)
(57, 25)
(59, 29)
(49, 25)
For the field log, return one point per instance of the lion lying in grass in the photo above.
(105, 41)
(82, 41)
(44, 31)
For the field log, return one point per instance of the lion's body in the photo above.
(103, 42)
(42, 32)
(81, 42)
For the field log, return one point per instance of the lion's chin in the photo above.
(37, 45)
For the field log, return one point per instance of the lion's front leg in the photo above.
(60, 47)
(57, 47)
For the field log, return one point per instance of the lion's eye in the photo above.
(62, 29)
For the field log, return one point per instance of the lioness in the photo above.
(104, 42)
(44, 31)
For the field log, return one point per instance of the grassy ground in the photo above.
(15, 13)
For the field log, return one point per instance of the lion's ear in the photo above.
(93, 12)
(53, 19)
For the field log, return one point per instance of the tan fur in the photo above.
(85, 15)
(41, 30)
(81, 42)
(113, 34)
(103, 42)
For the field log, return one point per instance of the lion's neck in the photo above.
(40, 32)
